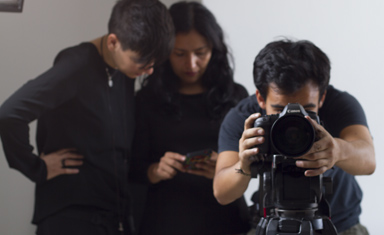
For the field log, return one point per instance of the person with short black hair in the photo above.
(179, 110)
(298, 72)
(84, 106)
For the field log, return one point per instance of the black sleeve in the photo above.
(43, 93)
(340, 110)
(230, 131)
(232, 126)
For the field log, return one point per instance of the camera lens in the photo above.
(292, 136)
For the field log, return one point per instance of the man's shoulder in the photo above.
(83, 47)
(334, 94)
(336, 99)
(233, 124)
(78, 54)
(340, 109)
(247, 106)
(242, 111)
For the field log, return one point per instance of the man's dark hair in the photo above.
(143, 26)
(291, 65)
(218, 77)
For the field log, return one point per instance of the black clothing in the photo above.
(339, 110)
(82, 221)
(75, 108)
(184, 204)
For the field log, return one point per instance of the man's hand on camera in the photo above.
(62, 162)
(207, 168)
(167, 168)
(323, 155)
(251, 137)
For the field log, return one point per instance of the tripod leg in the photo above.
(328, 228)
(261, 226)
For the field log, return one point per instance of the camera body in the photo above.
(292, 203)
(288, 133)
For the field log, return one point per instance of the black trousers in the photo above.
(84, 221)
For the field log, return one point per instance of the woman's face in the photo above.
(190, 57)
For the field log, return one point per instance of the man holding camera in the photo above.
(298, 72)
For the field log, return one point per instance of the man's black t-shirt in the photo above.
(339, 110)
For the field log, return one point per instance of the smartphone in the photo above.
(193, 158)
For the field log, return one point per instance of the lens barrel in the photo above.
(292, 135)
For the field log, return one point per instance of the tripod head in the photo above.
(292, 203)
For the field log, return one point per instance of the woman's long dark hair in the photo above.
(218, 77)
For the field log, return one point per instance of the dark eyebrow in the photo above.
(310, 105)
(277, 106)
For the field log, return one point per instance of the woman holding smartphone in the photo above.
(179, 111)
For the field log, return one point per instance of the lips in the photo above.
(191, 74)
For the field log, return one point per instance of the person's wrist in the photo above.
(242, 172)
(152, 173)
(243, 169)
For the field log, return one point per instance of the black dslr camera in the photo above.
(288, 202)
(287, 133)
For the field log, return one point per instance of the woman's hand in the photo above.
(206, 168)
(167, 168)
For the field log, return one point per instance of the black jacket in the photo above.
(75, 108)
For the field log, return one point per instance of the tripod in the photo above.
(295, 222)
(291, 202)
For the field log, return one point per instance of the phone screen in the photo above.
(195, 157)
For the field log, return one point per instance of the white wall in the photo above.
(349, 31)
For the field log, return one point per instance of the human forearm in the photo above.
(28, 103)
(228, 184)
(152, 175)
(353, 152)
(18, 151)
(357, 157)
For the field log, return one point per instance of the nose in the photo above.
(191, 61)
(149, 71)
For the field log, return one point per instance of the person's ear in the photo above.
(112, 42)
(321, 102)
(260, 100)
